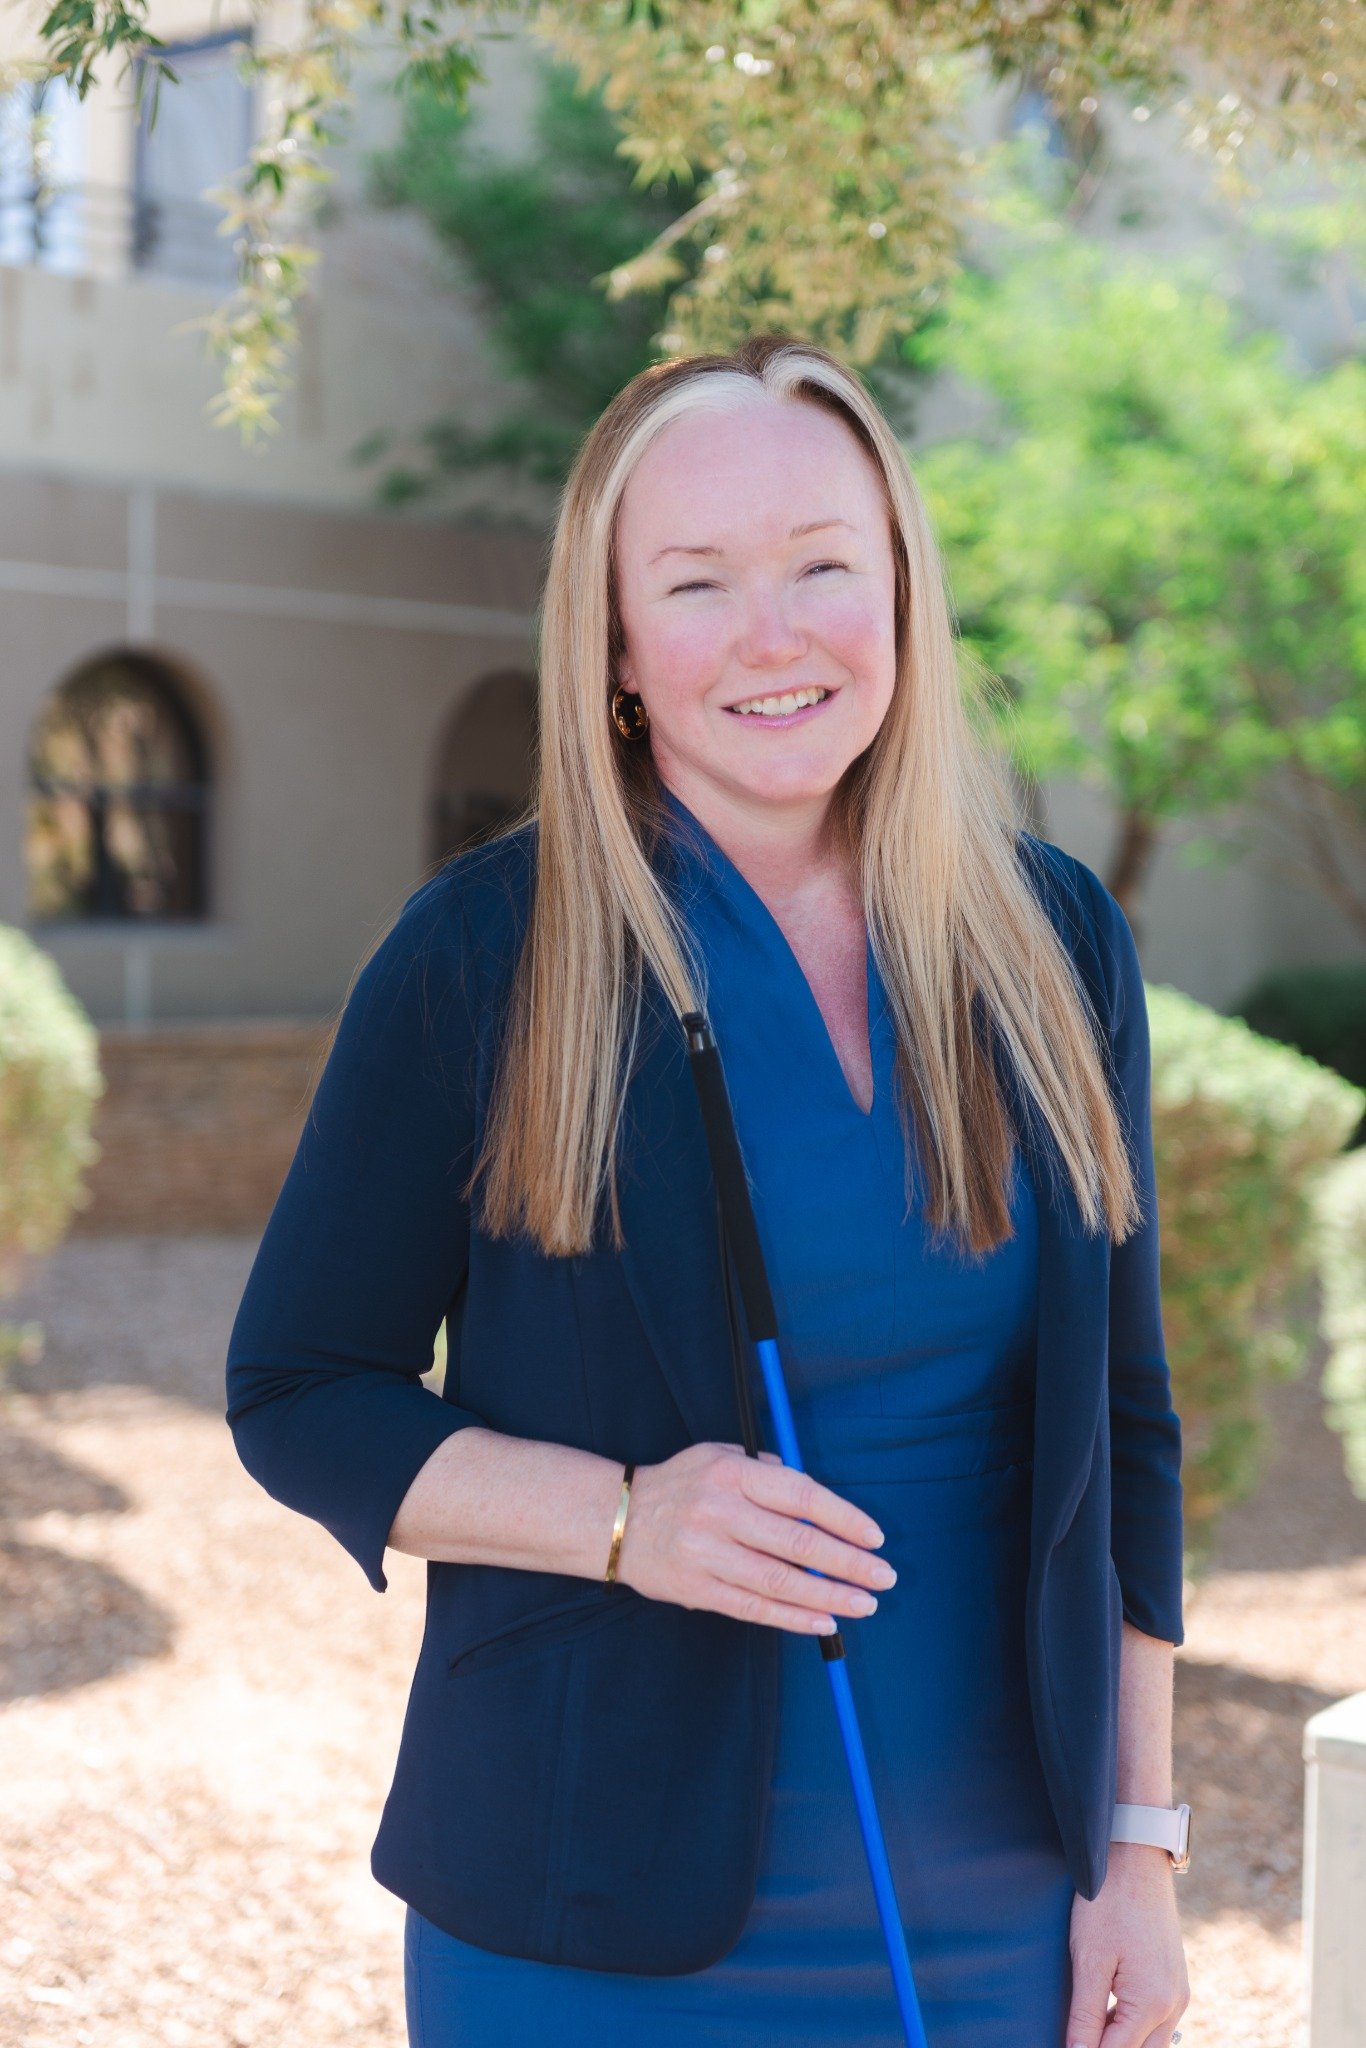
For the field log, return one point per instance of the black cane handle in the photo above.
(728, 1170)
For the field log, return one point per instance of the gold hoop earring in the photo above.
(631, 724)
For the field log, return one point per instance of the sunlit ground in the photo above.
(201, 1696)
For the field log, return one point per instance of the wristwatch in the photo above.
(1164, 1827)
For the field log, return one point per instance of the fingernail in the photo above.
(877, 1536)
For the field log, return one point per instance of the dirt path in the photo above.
(200, 1700)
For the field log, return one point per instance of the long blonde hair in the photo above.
(928, 815)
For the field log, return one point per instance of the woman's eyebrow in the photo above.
(810, 526)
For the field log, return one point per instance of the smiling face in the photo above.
(754, 564)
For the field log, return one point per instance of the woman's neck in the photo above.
(783, 850)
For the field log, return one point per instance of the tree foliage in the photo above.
(538, 235)
(827, 188)
(1157, 544)
(535, 236)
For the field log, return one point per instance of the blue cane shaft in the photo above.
(742, 1237)
(874, 1842)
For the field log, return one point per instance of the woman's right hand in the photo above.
(712, 1527)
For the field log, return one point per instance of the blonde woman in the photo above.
(620, 1811)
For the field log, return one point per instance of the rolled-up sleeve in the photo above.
(367, 1246)
(1145, 1430)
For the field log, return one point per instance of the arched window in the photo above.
(118, 792)
(484, 770)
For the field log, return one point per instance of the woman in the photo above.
(620, 1809)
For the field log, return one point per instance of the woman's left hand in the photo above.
(1128, 1940)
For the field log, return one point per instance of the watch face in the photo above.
(1181, 1860)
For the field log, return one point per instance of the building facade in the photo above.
(242, 711)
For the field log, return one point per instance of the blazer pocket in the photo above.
(579, 1613)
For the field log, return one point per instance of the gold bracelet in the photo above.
(619, 1526)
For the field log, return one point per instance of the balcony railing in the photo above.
(113, 231)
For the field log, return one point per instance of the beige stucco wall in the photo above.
(326, 647)
(325, 655)
(102, 376)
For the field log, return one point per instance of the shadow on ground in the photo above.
(64, 1620)
(1237, 1737)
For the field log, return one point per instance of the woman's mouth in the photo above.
(782, 708)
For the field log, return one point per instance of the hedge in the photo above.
(1243, 1128)
(1340, 1210)
(49, 1083)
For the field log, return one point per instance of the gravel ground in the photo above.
(200, 1701)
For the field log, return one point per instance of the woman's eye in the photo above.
(702, 584)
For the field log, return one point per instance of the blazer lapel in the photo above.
(671, 1259)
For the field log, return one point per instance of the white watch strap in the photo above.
(1163, 1827)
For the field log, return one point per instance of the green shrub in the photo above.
(49, 1083)
(1340, 1214)
(1242, 1128)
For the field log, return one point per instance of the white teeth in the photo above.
(778, 707)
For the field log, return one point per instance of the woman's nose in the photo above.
(769, 636)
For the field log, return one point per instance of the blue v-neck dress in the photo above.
(911, 1372)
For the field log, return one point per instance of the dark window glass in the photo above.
(117, 798)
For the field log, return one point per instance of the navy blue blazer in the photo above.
(583, 1771)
